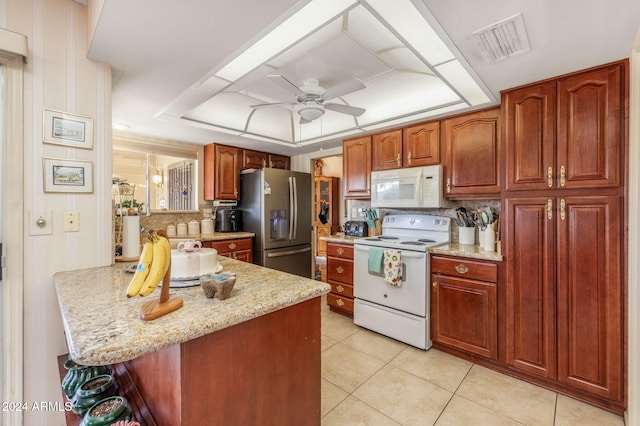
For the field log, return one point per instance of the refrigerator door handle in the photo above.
(288, 252)
(295, 211)
(291, 209)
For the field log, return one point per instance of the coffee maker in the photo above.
(228, 220)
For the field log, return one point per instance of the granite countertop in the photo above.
(103, 326)
(217, 236)
(475, 252)
(344, 239)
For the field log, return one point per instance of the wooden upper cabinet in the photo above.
(356, 164)
(387, 150)
(530, 136)
(413, 146)
(421, 144)
(221, 172)
(589, 134)
(472, 146)
(276, 161)
(582, 147)
(254, 159)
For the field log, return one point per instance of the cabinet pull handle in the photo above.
(562, 176)
(271, 163)
(409, 158)
(339, 269)
(235, 191)
(550, 177)
(398, 160)
(549, 209)
(340, 289)
(232, 246)
(448, 184)
(264, 163)
(340, 251)
(339, 302)
(462, 269)
(562, 209)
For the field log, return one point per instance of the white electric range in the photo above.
(400, 312)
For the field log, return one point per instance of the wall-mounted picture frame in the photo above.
(67, 175)
(63, 128)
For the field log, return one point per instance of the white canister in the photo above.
(182, 229)
(467, 235)
(489, 240)
(206, 226)
(194, 227)
(171, 231)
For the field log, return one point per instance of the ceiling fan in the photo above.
(311, 99)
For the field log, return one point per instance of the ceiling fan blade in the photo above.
(276, 104)
(343, 89)
(286, 84)
(345, 109)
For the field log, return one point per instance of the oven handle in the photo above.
(404, 253)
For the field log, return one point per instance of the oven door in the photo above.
(411, 296)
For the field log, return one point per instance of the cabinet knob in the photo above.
(462, 269)
(264, 163)
(340, 251)
(435, 284)
(340, 289)
(232, 246)
(340, 302)
(339, 269)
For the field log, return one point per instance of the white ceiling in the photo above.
(165, 55)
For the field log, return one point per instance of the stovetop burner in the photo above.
(414, 243)
(382, 238)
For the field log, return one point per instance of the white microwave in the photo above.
(410, 187)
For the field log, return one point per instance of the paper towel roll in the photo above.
(131, 236)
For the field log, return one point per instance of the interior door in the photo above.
(1, 238)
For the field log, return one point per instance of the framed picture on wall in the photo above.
(63, 128)
(67, 175)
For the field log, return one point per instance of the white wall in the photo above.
(58, 76)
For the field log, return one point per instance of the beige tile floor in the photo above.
(369, 379)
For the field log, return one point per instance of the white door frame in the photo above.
(13, 245)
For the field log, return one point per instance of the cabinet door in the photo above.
(590, 295)
(226, 172)
(279, 162)
(464, 314)
(530, 132)
(421, 144)
(254, 159)
(387, 150)
(530, 285)
(590, 134)
(356, 164)
(472, 144)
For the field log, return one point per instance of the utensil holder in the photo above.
(467, 235)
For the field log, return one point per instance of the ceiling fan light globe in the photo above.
(310, 113)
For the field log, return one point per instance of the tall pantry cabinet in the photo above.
(565, 141)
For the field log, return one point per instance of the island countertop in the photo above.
(103, 326)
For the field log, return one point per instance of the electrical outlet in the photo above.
(71, 222)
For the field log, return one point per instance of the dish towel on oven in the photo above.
(393, 267)
(375, 260)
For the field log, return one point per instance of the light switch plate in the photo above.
(40, 222)
(71, 222)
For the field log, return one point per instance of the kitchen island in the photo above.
(253, 358)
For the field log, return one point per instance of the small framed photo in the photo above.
(67, 175)
(63, 128)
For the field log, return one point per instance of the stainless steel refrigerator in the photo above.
(276, 206)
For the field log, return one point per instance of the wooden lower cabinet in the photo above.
(565, 293)
(464, 309)
(240, 249)
(340, 276)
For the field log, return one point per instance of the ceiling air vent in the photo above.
(503, 39)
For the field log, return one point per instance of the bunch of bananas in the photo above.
(155, 260)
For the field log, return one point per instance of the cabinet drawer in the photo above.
(483, 271)
(341, 289)
(226, 246)
(339, 302)
(340, 270)
(340, 250)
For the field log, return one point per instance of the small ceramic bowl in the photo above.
(218, 286)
